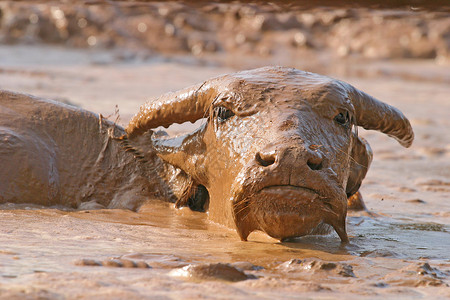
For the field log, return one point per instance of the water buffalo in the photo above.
(279, 151)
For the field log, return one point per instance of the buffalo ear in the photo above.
(361, 157)
(186, 152)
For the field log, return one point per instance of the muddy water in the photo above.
(399, 251)
(43, 247)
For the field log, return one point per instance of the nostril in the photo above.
(265, 159)
(315, 163)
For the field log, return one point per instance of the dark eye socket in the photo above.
(343, 118)
(223, 113)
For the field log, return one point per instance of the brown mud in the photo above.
(400, 251)
(269, 29)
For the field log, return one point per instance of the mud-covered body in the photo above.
(279, 151)
(57, 154)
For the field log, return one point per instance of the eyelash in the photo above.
(343, 119)
(223, 113)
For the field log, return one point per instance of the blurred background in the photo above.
(98, 54)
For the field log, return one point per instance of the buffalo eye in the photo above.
(343, 119)
(223, 113)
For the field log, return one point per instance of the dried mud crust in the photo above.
(230, 28)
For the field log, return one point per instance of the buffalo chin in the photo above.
(285, 212)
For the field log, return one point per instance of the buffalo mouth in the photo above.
(287, 211)
(287, 190)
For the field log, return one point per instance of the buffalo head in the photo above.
(279, 151)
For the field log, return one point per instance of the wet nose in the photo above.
(266, 158)
(314, 160)
(312, 157)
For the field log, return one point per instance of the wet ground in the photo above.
(398, 250)
(401, 250)
(46, 258)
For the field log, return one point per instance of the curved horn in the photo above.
(374, 114)
(189, 104)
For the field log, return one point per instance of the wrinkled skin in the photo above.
(279, 152)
